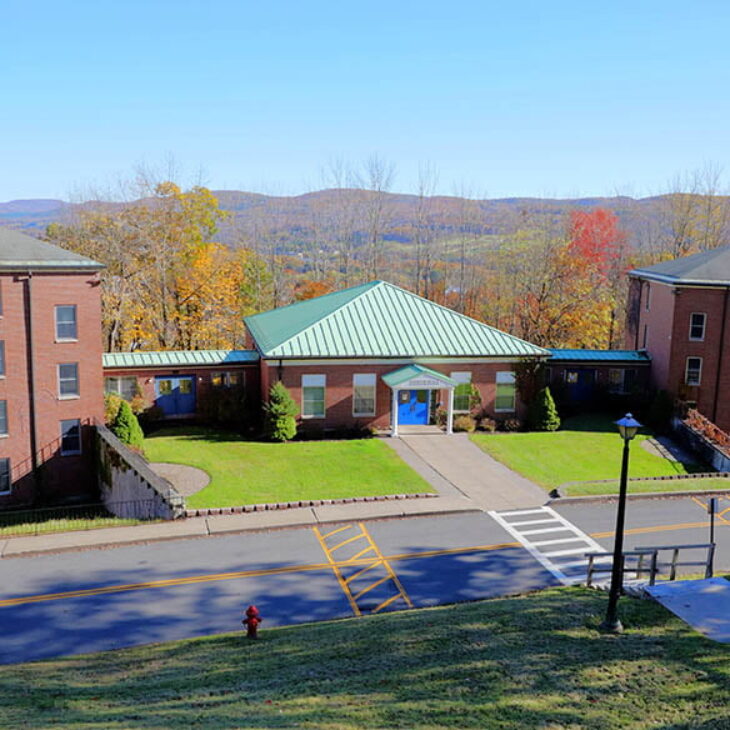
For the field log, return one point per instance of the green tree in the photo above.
(542, 414)
(126, 427)
(280, 414)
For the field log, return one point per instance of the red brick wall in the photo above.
(63, 476)
(659, 329)
(338, 392)
(709, 301)
(146, 379)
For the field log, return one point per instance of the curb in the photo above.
(274, 506)
(586, 499)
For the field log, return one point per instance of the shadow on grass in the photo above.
(528, 662)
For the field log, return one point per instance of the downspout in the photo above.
(31, 385)
(638, 315)
(280, 370)
(719, 356)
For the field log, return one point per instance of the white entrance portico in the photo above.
(412, 386)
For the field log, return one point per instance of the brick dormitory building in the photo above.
(371, 356)
(51, 387)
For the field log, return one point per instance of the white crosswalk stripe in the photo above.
(564, 564)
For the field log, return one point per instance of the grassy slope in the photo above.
(247, 472)
(529, 662)
(670, 485)
(585, 449)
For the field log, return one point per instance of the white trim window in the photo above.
(313, 395)
(505, 399)
(697, 322)
(693, 371)
(66, 323)
(5, 484)
(3, 418)
(462, 391)
(70, 437)
(363, 394)
(124, 386)
(68, 380)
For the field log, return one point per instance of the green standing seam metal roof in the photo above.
(21, 252)
(178, 358)
(404, 374)
(599, 356)
(378, 320)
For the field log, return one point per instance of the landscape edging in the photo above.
(272, 506)
(586, 498)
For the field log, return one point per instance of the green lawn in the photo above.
(62, 519)
(249, 472)
(670, 485)
(530, 662)
(585, 449)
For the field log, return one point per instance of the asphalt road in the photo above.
(79, 602)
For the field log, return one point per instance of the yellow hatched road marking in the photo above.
(369, 588)
(387, 602)
(312, 567)
(338, 573)
(387, 566)
(362, 552)
(334, 532)
(345, 542)
(360, 572)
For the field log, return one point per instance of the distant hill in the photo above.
(295, 219)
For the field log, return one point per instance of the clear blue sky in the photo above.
(511, 98)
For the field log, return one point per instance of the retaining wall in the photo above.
(702, 447)
(128, 487)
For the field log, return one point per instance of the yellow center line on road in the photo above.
(312, 567)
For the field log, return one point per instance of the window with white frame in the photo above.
(68, 380)
(697, 326)
(5, 476)
(693, 371)
(363, 394)
(123, 385)
(66, 326)
(506, 396)
(70, 437)
(462, 391)
(313, 390)
(3, 418)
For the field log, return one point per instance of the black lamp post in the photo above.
(628, 427)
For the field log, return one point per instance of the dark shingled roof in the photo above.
(21, 252)
(708, 267)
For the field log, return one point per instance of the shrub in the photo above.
(280, 413)
(465, 423)
(226, 407)
(440, 417)
(138, 404)
(111, 407)
(511, 424)
(487, 424)
(126, 427)
(542, 414)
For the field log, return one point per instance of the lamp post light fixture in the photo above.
(628, 427)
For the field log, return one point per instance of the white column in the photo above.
(450, 413)
(394, 414)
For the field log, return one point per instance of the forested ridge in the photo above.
(184, 266)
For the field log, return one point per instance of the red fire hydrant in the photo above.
(252, 621)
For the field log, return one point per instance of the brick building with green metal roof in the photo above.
(376, 355)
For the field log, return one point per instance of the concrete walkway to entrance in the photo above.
(455, 466)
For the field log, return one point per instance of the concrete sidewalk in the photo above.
(220, 524)
(456, 466)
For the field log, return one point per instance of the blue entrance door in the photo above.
(175, 395)
(413, 407)
(581, 383)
